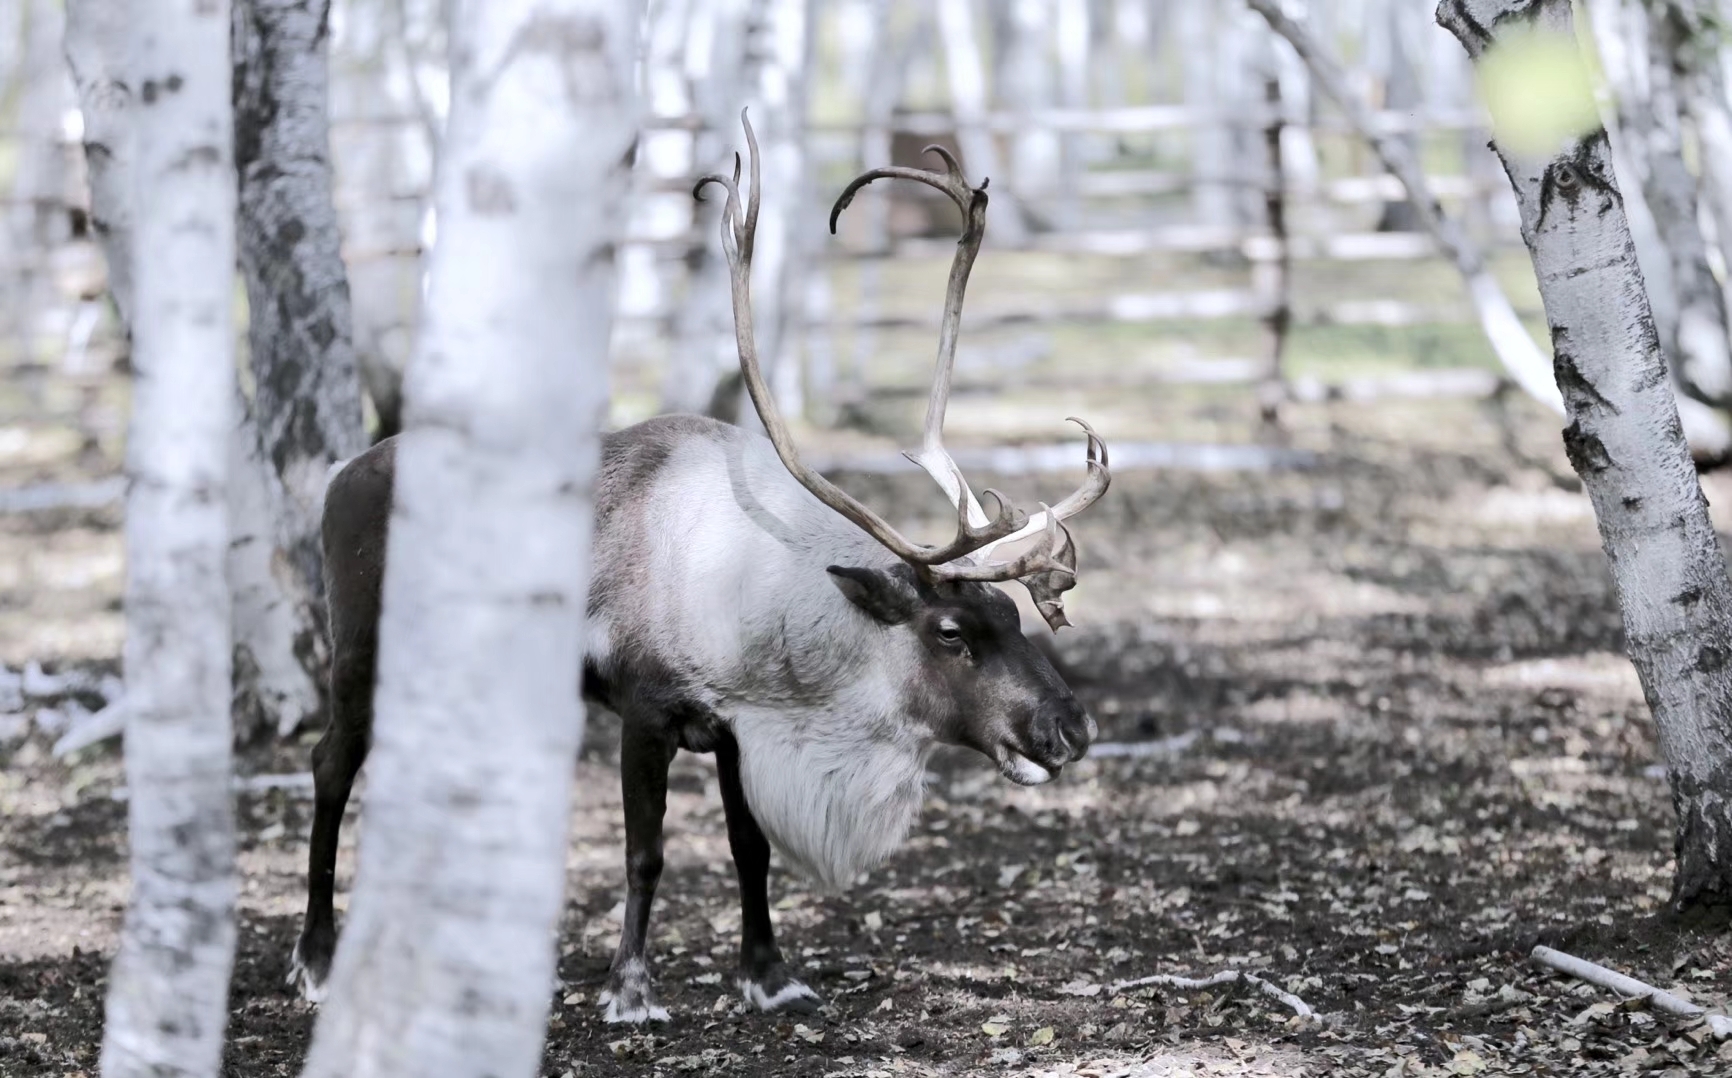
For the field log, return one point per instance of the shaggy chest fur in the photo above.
(833, 792)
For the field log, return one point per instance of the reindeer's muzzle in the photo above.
(1061, 732)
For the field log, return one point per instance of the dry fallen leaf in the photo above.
(1041, 1036)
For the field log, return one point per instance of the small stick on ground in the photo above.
(1228, 976)
(1582, 969)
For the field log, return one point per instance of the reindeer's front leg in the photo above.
(646, 750)
(765, 980)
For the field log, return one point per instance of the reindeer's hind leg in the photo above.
(764, 978)
(645, 751)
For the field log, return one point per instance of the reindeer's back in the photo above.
(708, 555)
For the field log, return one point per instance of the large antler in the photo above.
(1045, 584)
(1047, 568)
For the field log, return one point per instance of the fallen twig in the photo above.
(1227, 976)
(1581, 969)
(93, 728)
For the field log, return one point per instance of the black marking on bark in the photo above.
(1710, 658)
(1687, 597)
(1570, 178)
(1574, 383)
(1587, 453)
(1702, 844)
(1464, 21)
(148, 92)
(173, 83)
(1632, 502)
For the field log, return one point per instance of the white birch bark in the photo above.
(882, 93)
(1214, 74)
(1653, 128)
(965, 77)
(661, 207)
(1029, 84)
(168, 990)
(1520, 356)
(1625, 441)
(1621, 34)
(33, 221)
(1071, 39)
(382, 169)
(1687, 39)
(717, 72)
(446, 960)
(264, 621)
(96, 43)
(307, 396)
(1401, 93)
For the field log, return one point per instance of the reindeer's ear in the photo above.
(884, 595)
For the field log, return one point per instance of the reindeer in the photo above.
(745, 606)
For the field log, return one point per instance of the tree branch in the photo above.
(1515, 348)
(1229, 976)
(1583, 970)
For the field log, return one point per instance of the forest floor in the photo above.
(1389, 742)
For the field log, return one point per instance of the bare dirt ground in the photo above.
(1391, 744)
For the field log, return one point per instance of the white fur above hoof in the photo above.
(302, 980)
(792, 996)
(624, 1012)
(629, 999)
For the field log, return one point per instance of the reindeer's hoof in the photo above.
(309, 971)
(629, 998)
(775, 989)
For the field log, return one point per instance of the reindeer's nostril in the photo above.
(1075, 728)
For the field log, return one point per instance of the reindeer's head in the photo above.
(977, 680)
(981, 683)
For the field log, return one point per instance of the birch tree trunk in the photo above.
(382, 169)
(717, 73)
(965, 76)
(307, 397)
(1693, 37)
(446, 961)
(1625, 441)
(168, 990)
(1401, 94)
(1696, 341)
(96, 43)
(1706, 100)
(1029, 84)
(1515, 349)
(35, 213)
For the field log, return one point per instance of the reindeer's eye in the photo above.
(949, 633)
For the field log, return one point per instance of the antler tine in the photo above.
(951, 181)
(1093, 486)
(1041, 558)
(739, 229)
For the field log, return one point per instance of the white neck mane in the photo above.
(836, 789)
